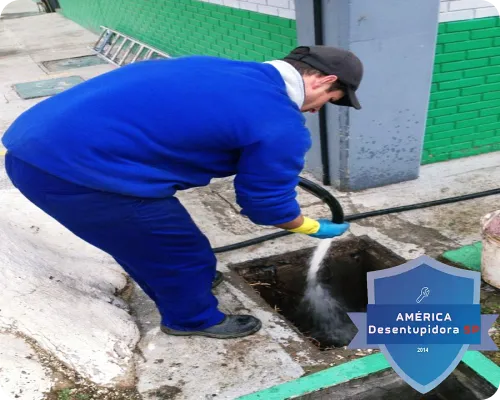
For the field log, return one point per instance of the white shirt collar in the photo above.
(293, 81)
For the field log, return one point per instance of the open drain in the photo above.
(281, 281)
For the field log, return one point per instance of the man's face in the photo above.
(317, 94)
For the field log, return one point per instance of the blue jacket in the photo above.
(151, 128)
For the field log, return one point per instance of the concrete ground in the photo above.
(70, 319)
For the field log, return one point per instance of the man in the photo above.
(106, 157)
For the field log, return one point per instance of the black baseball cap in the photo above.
(333, 61)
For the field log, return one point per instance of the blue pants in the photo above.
(154, 240)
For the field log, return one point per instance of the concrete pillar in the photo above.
(396, 40)
(308, 32)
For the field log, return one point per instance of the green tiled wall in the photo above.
(182, 27)
(464, 110)
(464, 113)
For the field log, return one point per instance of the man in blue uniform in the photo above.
(106, 157)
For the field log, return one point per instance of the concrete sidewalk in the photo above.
(72, 311)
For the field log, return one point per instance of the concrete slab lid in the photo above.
(359, 368)
(47, 87)
(71, 62)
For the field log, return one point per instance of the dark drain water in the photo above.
(281, 281)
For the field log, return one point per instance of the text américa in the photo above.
(417, 330)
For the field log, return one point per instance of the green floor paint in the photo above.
(483, 366)
(359, 368)
(332, 376)
(467, 256)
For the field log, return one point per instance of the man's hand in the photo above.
(328, 229)
(321, 229)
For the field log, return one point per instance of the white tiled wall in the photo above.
(279, 8)
(451, 10)
(456, 10)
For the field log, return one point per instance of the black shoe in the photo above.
(233, 326)
(218, 279)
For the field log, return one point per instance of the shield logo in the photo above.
(423, 315)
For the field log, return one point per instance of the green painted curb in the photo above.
(358, 368)
(330, 377)
(483, 366)
(467, 256)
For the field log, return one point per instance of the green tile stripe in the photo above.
(359, 368)
(185, 27)
(464, 110)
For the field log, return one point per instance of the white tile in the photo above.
(219, 2)
(486, 12)
(444, 6)
(232, 3)
(456, 15)
(290, 14)
(248, 6)
(468, 4)
(279, 3)
(267, 10)
(292, 4)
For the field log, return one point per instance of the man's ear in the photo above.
(329, 79)
(321, 81)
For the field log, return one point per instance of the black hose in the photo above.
(309, 186)
(324, 195)
(425, 204)
(338, 214)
